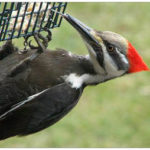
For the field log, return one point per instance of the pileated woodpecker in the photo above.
(43, 90)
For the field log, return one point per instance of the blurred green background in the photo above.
(112, 114)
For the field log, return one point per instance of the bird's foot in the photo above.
(39, 49)
(41, 41)
(26, 44)
(47, 39)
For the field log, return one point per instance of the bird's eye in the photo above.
(110, 48)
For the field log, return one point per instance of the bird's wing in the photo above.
(39, 111)
(14, 85)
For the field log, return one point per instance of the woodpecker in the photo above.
(43, 90)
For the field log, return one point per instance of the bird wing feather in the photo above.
(39, 111)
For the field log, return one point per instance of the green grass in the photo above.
(115, 113)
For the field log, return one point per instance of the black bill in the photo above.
(92, 39)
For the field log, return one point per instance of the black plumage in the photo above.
(21, 112)
(39, 112)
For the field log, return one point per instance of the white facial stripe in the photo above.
(90, 49)
(108, 61)
(76, 81)
(93, 59)
(110, 66)
(123, 58)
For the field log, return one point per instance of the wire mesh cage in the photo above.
(20, 19)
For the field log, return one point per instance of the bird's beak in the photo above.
(85, 31)
(89, 35)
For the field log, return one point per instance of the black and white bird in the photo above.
(43, 90)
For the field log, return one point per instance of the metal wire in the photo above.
(24, 18)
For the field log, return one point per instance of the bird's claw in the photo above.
(26, 44)
(41, 47)
(41, 44)
(32, 46)
(47, 39)
(49, 35)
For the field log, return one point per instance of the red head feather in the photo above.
(135, 60)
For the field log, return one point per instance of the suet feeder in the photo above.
(21, 19)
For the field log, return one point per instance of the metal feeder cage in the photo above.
(24, 18)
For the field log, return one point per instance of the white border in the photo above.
(75, 1)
